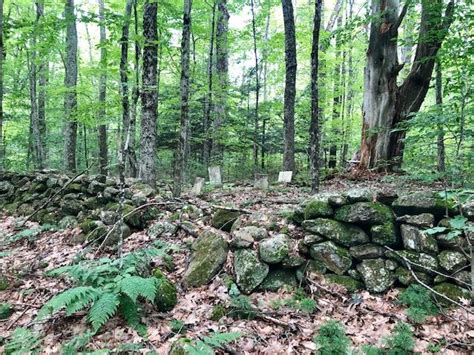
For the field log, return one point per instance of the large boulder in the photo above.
(452, 292)
(246, 236)
(335, 258)
(208, 255)
(376, 277)
(367, 213)
(345, 234)
(257, 219)
(422, 202)
(451, 261)
(166, 293)
(317, 207)
(385, 234)
(277, 279)
(406, 278)
(273, 250)
(224, 219)
(415, 239)
(249, 270)
(162, 229)
(367, 251)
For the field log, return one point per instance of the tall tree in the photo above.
(2, 58)
(70, 81)
(102, 129)
(184, 91)
(222, 71)
(42, 83)
(386, 104)
(147, 169)
(257, 89)
(315, 126)
(439, 103)
(290, 86)
(131, 165)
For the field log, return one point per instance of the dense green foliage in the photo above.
(419, 302)
(332, 339)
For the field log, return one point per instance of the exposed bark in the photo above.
(2, 51)
(385, 103)
(102, 129)
(206, 149)
(350, 90)
(42, 75)
(337, 100)
(265, 71)
(147, 169)
(70, 81)
(439, 102)
(180, 166)
(315, 126)
(257, 90)
(222, 69)
(290, 86)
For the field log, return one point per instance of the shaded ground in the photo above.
(282, 329)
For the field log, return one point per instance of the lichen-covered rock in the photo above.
(367, 213)
(444, 241)
(348, 282)
(377, 278)
(293, 259)
(144, 188)
(162, 229)
(420, 261)
(317, 208)
(5, 311)
(249, 270)
(67, 222)
(335, 258)
(415, 239)
(95, 187)
(468, 210)
(423, 220)
(208, 255)
(462, 278)
(360, 194)
(257, 219)
(422, 202)
(71, 207)
(224, 219)
(451, 261)
(109, 217)
(451, 291)
(246, 236)
(367, 251)
(273, 250)
(118, 234)
(406, 278)
(342, 233)
(166, 292)
(310, 239)
(310, 267)
(277, 279)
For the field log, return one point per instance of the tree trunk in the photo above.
(70, 81)
(385, 103)
(2, 52)
(337, 100)
(42, 75)
(184, 91)
(315, 127)
(350, 90)
(290, 86)
(206, 149)
(439, 103)
(257, 91)
(102, 129)
(222, 69)
(147, 169)
(265, 71)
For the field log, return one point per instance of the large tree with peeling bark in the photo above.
(387, 104)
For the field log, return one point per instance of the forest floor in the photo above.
(279, 328)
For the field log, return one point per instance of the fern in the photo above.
(134, 286)
(73, 299)
(129, 310)
(77, 343)
(103, 309)
(22, 341)
(207, 345)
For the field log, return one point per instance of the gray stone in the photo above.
(146, 189)
(67, 222)
(215, 176)
(367, 251)
(406, 278)
(451, 261)
(385, 234)
(162, 229)
(249, 270)
(310, 239)
(71, 207)
(208, 255)
(111, 193)
(367, 213)
(335, 258)
(6, 188)
(261, 183)
(345, 234)
(451, 291)
(391, 264)
(351, 285)
(95, 187)
(257, 219)
(273, 250)
(198, 185)
(359, 194)
(424, 220)
(468, 210)
(422, 202)
(419, 261)
(317, 208)
(118, 234)
(109, 217)
(415, 239)
(139, 199)
(224, 219)
(309, 269)
(277, 279)
(376, 277)
(284, 177)
(242, 239)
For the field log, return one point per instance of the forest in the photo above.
(236, 176)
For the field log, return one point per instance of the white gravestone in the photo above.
(285, 177)
(261, 182)
(215, 175)
(198, 185)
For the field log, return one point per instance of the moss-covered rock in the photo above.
(451, 261)
(420, 261)
(166, 293)
(71, 207)
(377, 278)
(257, 219)
(423, 220)
(208, 255)
(451, 291)
(342, 233)
(415, 239)
(385, 234)
(335, 258)
(246, 236)
(249, 270)
(224, 219)
(406, 278)
(348, 282)
(310, 267)
(367, 251)
(422, 202)
(67, 222)
(367, 213)
(317, 208)
(273, 250)
(161, 229)
(277, 279)
(5, 310)
(360, 194)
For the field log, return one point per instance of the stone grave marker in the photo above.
(198, 185)
(285, 177)
(215, 176)
(261, 182)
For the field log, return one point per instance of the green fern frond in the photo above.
(22, 341)
(103, 309)
(217, 340)
(134, 286)
(76, 344)
(129, 310)
(73, 299)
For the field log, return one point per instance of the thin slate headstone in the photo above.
(285, 177)
(198, 185)
(215, 175)
(261, 182)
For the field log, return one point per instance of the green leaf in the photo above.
(458, 222)
(435, 230)
(103, 309)
(453, 234)
(134, 286)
